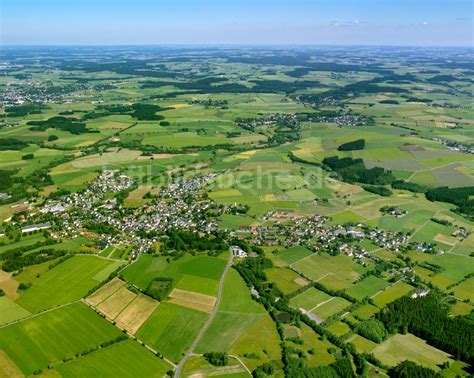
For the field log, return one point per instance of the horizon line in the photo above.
(2, 45)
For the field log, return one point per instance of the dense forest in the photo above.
(12, 144)
(70, 125)
(428, 318)
(183, 241)
(461, 197)
(354, 145)
(354, 170)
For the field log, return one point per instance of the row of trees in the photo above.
(39, 257)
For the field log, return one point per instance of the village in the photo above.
(184, 205)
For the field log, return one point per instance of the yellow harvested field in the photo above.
(9, 285)
(245, 154)
(190, 299)
(301, 281)
(8, 367)
(114, 304)
(136, 313)
(448, 240)
(104, 292)
(269, 197)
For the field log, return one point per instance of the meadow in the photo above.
(34, 343)
(125, 359)
(401, 347)
(171, 322)
(67, 282)
(241, 326)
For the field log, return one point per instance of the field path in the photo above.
(208, 321)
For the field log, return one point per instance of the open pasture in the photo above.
(318, 267)
(452, 268)
(317, 350)
(292, 254)
(366, 311)
(144, 270)
(124, 359)
(11, 311)
(465, 290)
(409, 347)
(338, 328)
(170, 322)
(286, 279)
(391, 293)
(330, 307)
(241, 326)
(362, 344)
(34, 343)
(68, 281)
(198, 274)
(309, 299)
(367, 287)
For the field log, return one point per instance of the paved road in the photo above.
(209, 320)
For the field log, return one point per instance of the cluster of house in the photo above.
(344, 119)
(26, 90)
(289, 120)
(316, 233)
(180, 205)
(398, 213)
(430, 248)
(456, 146)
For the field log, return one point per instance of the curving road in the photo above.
(208, 321)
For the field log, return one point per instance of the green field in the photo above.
(391, 293)
(408, 347)
(144, 270)
(309, 299)
(241, 325)
(293, 254)
(367, 287)
(284, 278)
(331, 307)
(124, 359)
(199, 274)
(10, 311)
(319, 355)
(69, 281)
(340, 270)
(34, 343)
(171, 322)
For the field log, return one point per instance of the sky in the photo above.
(237, 22)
